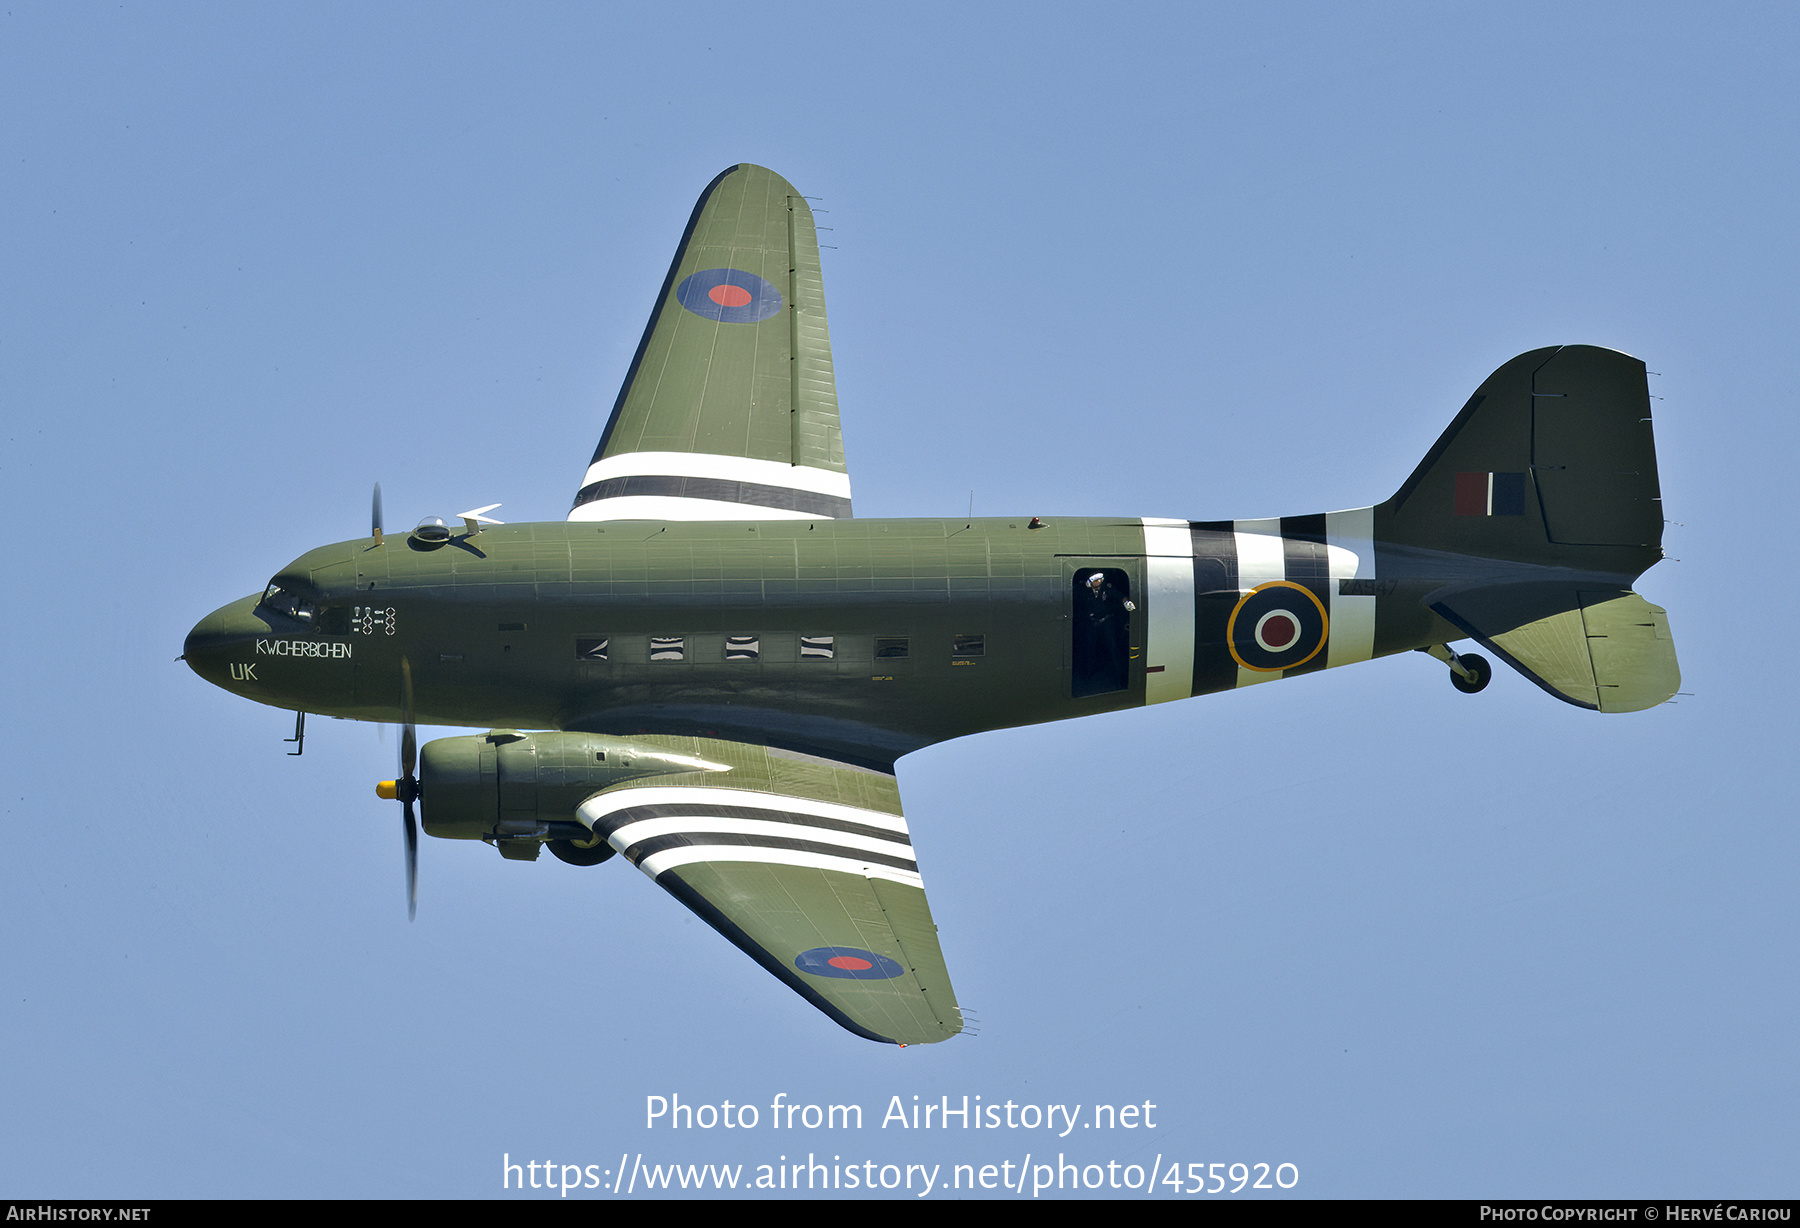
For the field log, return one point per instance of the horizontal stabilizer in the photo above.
(1612, 652)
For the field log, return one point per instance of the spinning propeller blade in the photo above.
(409, 787)
(405, 790)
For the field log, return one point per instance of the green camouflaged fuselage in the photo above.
(494, 628)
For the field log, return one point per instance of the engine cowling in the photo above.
(516, 790)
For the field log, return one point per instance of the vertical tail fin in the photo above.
(1551, 464)
(1552, 457)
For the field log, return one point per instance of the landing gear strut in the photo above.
(1469, 672)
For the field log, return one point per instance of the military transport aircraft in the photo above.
(711, 668)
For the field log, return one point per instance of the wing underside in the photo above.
(807, 866)
(729, 410)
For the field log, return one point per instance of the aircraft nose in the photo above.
(223, 639)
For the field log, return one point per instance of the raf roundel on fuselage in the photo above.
(1277, 626)
(730, 296)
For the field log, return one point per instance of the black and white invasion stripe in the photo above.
(1197, 571)
(662, 827)
(708, 486)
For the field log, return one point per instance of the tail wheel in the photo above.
(1479, 673)
(575, 855)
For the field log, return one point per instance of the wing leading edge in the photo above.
(729, 410)
(807, 865)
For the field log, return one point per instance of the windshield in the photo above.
(294, 605)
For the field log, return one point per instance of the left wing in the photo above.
(729, 410)
(806, 864)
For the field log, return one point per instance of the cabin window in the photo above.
(590, 650)
(742, 647)
(891, 647)
(817, 647)
(668, 648)
(968, 645)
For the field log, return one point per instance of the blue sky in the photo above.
(1168, 260)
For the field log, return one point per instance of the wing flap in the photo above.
(807, 866)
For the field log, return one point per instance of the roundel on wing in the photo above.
(848, 963)
(1276, 626)
(730, 296)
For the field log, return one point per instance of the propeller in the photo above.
(406, 789)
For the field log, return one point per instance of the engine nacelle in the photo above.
(507, 786)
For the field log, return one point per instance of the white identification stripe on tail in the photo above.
(670, 507)
(670, 859)
(624, 837)
(1169, 620)
(1261, 557)
(712, 465)
(1350, 552)
(597, 808)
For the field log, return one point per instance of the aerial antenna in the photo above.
(475, 519)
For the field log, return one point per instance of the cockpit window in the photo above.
(287, 601)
